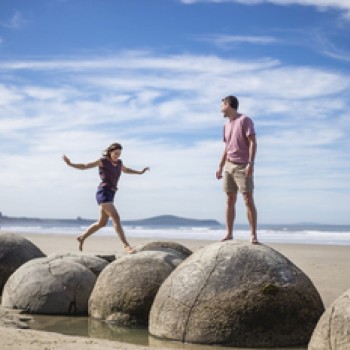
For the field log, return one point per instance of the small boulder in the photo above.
(125, 289)
(94, 263)
(52, 287)
(236, 294)
(15, 250)
(333, 328)
(165, 246)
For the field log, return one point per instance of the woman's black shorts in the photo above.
(104, 195)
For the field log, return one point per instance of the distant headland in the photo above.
(161, 220)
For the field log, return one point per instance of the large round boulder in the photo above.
(236, 294)
(333, 328)
(15, 250)
(125, 289)
(53, 287)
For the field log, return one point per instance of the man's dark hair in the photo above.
(233, 101)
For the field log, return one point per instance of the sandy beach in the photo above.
(327, 266)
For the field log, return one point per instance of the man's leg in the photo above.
(251, 214)
(231, 198)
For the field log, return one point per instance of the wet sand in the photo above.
(327, 266)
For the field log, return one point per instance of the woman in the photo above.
(110, 168)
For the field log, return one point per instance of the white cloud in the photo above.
(15, 22)
(136, 61)
(225, 40)
(343, 5)
(165, 112)
(325, 46)
(317, 39)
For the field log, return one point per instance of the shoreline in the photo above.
(325, 265)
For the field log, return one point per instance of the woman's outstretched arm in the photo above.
(81, 166)
(132, 171)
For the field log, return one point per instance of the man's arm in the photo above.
(252, 152)
(221, 165)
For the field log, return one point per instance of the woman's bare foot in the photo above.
(129, 249)
(80, 239)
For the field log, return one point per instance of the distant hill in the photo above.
(162, 220)
(171, 220)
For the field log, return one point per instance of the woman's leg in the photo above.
(110, 209)
(101, 222)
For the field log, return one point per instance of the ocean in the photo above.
(299, 233)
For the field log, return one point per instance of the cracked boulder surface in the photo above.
(236, 294)
(125, 289)
(15, 250)
(51, 287)
(333, 329)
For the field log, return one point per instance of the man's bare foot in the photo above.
(80, 239)
(129, 250)
(254, 240)
(227, 238)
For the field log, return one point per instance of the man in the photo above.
(237, 163)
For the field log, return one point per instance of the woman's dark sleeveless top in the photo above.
(109, 173)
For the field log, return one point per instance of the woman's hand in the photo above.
(66, 159)
(145, 169)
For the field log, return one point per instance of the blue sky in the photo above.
(77, 75)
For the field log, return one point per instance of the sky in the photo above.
(78, 75)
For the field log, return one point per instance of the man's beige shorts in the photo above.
(235, 178)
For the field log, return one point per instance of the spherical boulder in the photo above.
(125, 289)
(165, 246)
(236, 294)
(15, 250)
(333, 328)
(53, 287)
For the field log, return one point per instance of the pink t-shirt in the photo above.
(236, 134)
